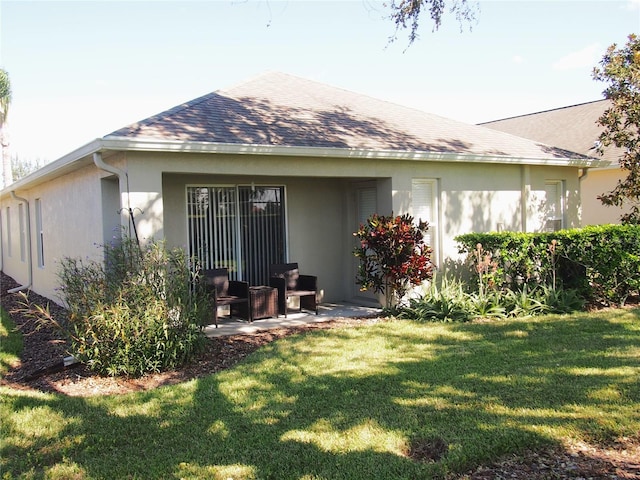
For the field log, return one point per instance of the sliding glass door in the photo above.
(241, 228)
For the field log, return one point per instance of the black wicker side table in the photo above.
(263, 301)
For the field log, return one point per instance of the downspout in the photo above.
(583, 174)
(122, 175)
(123, 178)
(28, 240)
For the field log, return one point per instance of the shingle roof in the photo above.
(284, 110)
(573, 128)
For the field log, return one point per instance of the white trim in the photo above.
(82, 155)
(124, 143)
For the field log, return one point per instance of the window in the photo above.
(8, 231)
(23, 232)
(39, 233)
(424, 194)
(367, 200)
(241, 228)
(554, 206)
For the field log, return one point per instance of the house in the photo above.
(575, 128)
(282, 168)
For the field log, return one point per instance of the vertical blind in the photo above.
(240, 228)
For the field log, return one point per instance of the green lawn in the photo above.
(347, 403)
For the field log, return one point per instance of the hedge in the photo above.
(601, 262)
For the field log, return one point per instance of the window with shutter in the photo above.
(40, 233)
(554, 206)
(424, 195)
(367, 200)
(22, 224)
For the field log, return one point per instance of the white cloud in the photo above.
(517, 59)
(633, 5)
(587, 57)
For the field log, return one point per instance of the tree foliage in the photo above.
(5, 95)
(407, 14)
(620, 70)
(393, 255)
(21, 168)
(5, 101)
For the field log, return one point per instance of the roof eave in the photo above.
(129, 144)
(70, 161)
(56, 168)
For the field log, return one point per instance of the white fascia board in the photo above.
(70, 161)
(128, 144)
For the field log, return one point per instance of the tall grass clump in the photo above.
(140, 311)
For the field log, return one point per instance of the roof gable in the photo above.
(276, 109)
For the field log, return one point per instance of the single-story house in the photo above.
(280, 168)
(575, 128)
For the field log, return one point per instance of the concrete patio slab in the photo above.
(326, 311)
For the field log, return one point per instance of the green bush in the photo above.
(141, 311)
(598, 263)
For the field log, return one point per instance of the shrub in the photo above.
(140, 312)
(559, 300)
(393, 255)
(598, 263)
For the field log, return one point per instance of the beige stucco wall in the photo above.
(595, 183)
(71, 223)
(320, 203)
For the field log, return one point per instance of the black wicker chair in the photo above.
(227, 292)
(287, 279)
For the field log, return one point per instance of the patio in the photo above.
(326, 311)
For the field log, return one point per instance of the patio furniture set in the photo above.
(263, 301)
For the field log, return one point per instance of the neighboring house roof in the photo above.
(574, 128)
(277, 109)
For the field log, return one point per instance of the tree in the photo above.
(620, 70)
(5, 100)
(21, 168)
(393, 255)
(407, 14)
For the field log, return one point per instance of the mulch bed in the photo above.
(40, 369)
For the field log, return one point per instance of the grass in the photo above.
(10, 342)
(348, 403)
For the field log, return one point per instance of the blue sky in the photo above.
(81, 69)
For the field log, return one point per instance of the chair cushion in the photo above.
(291, 278)
(226, 300)
(301, 293)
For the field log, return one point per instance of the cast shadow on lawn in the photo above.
(480, 390)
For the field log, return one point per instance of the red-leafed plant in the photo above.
(393, 255)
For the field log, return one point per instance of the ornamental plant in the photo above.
(140, 311)
(393, 256)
